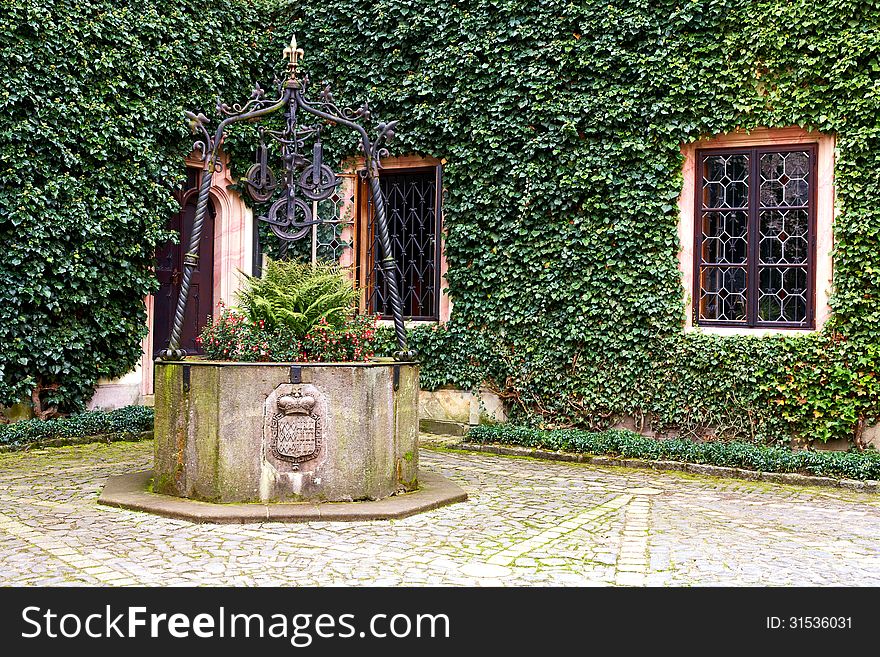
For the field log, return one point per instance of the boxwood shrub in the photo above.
(734, 454)
(129, 421)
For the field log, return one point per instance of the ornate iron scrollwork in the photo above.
(300, 182)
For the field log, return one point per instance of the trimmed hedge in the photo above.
(763, 458)
(128, 421)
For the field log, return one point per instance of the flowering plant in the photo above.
(233, 336)
(353, 341)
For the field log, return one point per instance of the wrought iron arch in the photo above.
(300, 180)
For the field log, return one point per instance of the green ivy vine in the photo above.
(561, 124)
(91, 146)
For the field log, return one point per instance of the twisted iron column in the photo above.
(387, 265)
(190, 262)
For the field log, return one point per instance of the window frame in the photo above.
(752, 264)
(367, 255)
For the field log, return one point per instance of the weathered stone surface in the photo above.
(130, 491)
(118, 392)
(797, 479)
(871, 436)
(462, 407)
(490, 407)
(837, 445)
(214, 441)
(17, 412)
(669, 465)
(443, 427)
(555, 456)
(749, 475)
(446, 405)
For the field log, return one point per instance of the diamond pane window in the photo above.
(755, 237)
(412, 204)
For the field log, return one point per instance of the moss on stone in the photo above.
(216, 450)
(204, 402)
(164, 484)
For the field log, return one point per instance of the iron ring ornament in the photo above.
(300, 181)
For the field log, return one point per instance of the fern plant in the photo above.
(296, 296)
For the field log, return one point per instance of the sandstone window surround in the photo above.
(416, 226)
(745, 270)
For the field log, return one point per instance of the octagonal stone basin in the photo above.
(285, 432)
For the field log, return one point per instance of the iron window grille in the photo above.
(412, 202)
(755, 237)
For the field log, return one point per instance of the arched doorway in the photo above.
(169, 268)
(226, 250)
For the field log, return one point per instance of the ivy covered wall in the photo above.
(91, 146)
(561, 125)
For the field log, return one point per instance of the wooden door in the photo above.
(169, 268)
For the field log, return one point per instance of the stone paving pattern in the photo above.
(527, 522)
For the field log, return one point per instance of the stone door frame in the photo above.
(233, 253)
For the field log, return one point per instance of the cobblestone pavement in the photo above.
(527, 522)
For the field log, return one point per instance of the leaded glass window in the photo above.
(755, 237)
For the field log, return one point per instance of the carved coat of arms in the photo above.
(295, 428)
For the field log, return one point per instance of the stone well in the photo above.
(282, 432)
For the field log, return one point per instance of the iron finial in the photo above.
(294, 53)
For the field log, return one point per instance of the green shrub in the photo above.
(296, 296)
(128, 421)
(294, 312)
(627, 444)
(233, 336)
